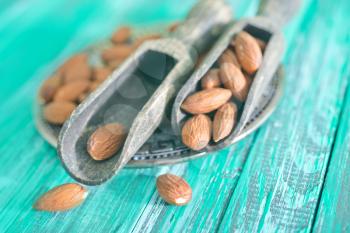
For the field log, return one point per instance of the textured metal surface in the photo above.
(140, 108)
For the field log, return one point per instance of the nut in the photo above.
(248, 52)
(101, 74)
(229, 57)
(117, 52)
(58, 112)
(62, 198)
(122, 35)
(206, 101)
(196, 132)
(72, 61)
(211, 79)
(76, 68)
(71, 91)
(224, 121)
(49, 88)
(106, 141)
(174, 190)
(234, 80)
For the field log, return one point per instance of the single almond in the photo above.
(117, 52)
(211, 79)
(233, 79)
(174, 190)
(196, 132)
(49, 87)
(106, 141)
(62, 198)
(101, 73)
(248, 52)
(71, 91)
(94, 85)
(122, 35)
(206, 101)
(224, 121)
(72, 61)
(229, 57)
(58, 112)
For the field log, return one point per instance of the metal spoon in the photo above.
(138, 93)
(267, 28)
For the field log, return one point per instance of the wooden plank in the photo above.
(282, 179)
(30, 166)
(333, 212)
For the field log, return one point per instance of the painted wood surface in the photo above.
(274, 180)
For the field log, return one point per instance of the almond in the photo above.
(117, 52)
(206, 101)
(58, 112)
(114, 63)
(211, 79)
(101, 73)
(75, 68)
(174, 190)
(224, 121)
(229, 57)
(248, 52)
(49, 88)
(196, 132)
(122, 35)
(71, 91)
(106, 141)
(62, 198)
(234, 80)
(145, 38)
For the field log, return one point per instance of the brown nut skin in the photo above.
(72, 61)
(71, 91)
(122, 35)
(58, 112)
(233, 79)
(196, 132)
(117, 52)
(61, 198)
(100, 74)
(211, 79)
(229, 57)
(206, 101)
(224, 121)
(174, 190)
(248, 52)
(49, 88)
(261, 43)
(106, 141)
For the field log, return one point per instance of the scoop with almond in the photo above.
(213, 110)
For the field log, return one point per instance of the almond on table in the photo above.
(174, 190)
(106, 141)
(122, 35)
(58, 112)
(206, 101)
(72, 91)
(196, 132)
(61, 198)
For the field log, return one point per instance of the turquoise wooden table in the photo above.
(293, 174)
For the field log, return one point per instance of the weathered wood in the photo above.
(333, 211)
(282, 179)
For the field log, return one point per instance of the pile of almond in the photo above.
(214, 110)
(76, 78)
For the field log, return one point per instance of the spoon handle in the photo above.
(203, 23)
(280, 11)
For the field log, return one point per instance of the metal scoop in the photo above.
(274, 13)
(137, 94)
